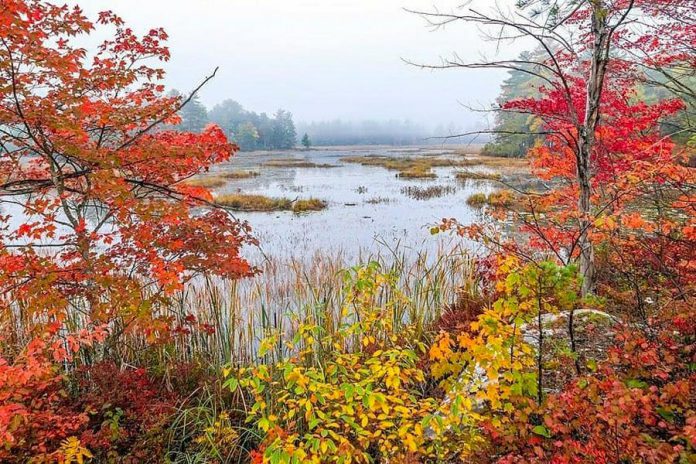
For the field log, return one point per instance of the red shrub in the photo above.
(638, 407)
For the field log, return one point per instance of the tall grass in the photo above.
(291, 290)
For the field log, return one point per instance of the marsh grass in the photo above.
(246, 202)
(289, 291)
(477, 200)
(378, 200)
(417, 172)
(262, 203)
(310, 204)
(408, 167)
(499, 198)
(477, 175)
(240, 174)
(295, 163)
(210, 182)
(426, 193)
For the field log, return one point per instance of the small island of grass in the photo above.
(262, 203)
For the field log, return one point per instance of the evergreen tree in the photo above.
(194, 115)
(306, 142)
(283, 133)
(515, 130)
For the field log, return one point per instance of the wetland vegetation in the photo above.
(168, 298)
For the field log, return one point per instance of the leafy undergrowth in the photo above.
(100, 361)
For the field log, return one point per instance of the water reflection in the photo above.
(368, 208)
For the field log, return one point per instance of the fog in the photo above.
(321, 60)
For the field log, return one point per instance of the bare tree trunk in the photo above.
(586, 140)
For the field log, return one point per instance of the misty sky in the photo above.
(320, 59)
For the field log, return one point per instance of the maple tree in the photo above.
(589, 62)
(97, 228)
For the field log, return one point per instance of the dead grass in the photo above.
(497, 199)
(295, 163)
(209, 182)
(240, 174)
(409, 168)
(244, 202)
(476, 200)
(262, 203)
(310, 204)
(475, 175)
(417, 172)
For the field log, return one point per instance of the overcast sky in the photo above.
(319, 59)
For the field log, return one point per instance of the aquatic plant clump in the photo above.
(499, 198)
(408, 167)
(246, 202)
(310, 204)
(426, 193)
(262, 203)
(477, 175)
(209, 182)
(240, 174)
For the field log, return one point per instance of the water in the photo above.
(367, 209)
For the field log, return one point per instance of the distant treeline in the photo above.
(338, 132)
(254, 131)
(392, 132)
(250, 130)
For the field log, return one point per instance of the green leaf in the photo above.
(231, 384)
(635, 383)
(542, 431)
(313, 423)
(666, 414)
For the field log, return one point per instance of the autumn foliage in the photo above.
(97, 228)
(539, 361)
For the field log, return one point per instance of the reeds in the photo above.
(426, 193)
(291, 290)
(246, 202)
(240, 174)
(408, 167)
(310, 204)
(262, 203)
(210, 182)
(477, 175)
(499, 198)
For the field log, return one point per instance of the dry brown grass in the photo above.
(498, 199)
(310, 204)
(474, 175)
(240, 174)
(417, 172)
(210, 182)
(409, 168)
(262, 203)
(244, 202)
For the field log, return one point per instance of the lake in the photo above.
(369, 208)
